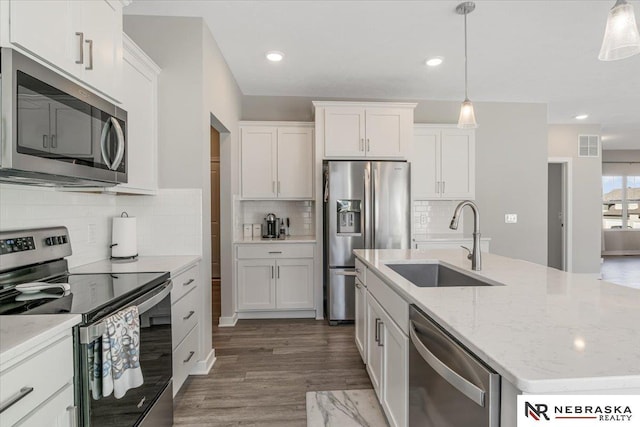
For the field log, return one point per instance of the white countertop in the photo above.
(290, 239)
(144, 264)
(19, 333)
(545, 331)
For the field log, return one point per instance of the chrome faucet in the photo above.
(474, 254)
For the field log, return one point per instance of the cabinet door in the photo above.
(384, 132)
(361, 319)
(102, 26)
(295, 163)
(44, 27)
(395, 374)
(425, 164)
(258, 162)
(256, 284)
(344, 132)
(294, 284)
(374, 350)
(458, 164)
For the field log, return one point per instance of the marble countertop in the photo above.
(545, 330)
(20, 333)
(290, 239)
(144, 264)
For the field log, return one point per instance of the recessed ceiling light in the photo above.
(581, 116)
(274, 56)
(434, 62)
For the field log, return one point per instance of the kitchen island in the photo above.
(543, 330)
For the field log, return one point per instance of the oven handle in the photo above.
(89, 333)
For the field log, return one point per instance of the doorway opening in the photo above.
(216, 305)
(559, 217)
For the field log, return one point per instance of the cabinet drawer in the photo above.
(393, 303)
(361, 270)
(184, 282)
(281, 250)
(47, 371)
(184, 315)
(58, 410)
(184, 357)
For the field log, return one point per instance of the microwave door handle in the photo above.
(120, 151)
(106, 129)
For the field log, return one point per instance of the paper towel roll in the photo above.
(124, 237)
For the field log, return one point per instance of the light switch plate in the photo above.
(511, 218)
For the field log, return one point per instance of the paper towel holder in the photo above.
(125, 259)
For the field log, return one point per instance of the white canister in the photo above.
(124, 237)
(246, 231)
(257, 231)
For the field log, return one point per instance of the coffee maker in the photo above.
(270, 227)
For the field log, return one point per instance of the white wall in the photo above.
(587, 195)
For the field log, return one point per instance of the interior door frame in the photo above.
(567, 208)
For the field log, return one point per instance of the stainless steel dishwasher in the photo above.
(448, 386)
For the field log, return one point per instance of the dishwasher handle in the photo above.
(465, 387)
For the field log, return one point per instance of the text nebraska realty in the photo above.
(601, 413)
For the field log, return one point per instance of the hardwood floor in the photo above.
(264, 369)
(623, 270)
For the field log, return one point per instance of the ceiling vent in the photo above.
(588, 146)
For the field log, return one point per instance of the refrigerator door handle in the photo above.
(367, 217)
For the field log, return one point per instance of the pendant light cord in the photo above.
(466, 83)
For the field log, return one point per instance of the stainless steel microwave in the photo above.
(54, 132)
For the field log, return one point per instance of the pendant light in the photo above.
(621, 38)
(467, 118)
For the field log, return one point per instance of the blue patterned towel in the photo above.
(114, 360)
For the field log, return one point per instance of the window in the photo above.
(621, 202)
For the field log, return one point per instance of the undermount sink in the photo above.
(435, 275)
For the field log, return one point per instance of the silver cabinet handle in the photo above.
(273, 187)
(278, 187)
(443, 183)
(272, 273)
(470, 390)
(278, 272)
(191, 353)
(188, 316)
(368, 145)
(377, 330)
(54, 144)
(120, 151)
(90, 66)
(346, 273)
(380, 334)
(45, 141)
(73, 416)
(81, 45)
(361, 145)
(188, 282)
(275, 252)
(24, 391)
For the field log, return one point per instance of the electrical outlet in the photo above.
(511, 218)
(91, 233)
(423, 219)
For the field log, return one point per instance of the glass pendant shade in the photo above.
(621, 38)
(467, 118)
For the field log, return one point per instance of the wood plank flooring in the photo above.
(623, 270)
(264, 369)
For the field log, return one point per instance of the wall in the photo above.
(433, 217)
(300, 214)
(511, 164)
(586, 196)
(621, 155)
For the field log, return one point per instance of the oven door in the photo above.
(155, 361)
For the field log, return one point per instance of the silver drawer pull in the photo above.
(24, 391)
(275, 252)
(346, 273)
(191, 353)
(188, 282)
(188, 316)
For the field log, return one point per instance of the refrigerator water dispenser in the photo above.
(349, 217)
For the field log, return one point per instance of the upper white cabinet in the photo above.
(352, 130)
(140, 100)
(276, 160)
(443, 163)
(81, 38)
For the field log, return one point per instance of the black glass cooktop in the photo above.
(90, 294)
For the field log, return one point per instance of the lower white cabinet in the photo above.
(361, 319)
(185, 314)
(275, 278)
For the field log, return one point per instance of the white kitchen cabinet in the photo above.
(442, 163)
(374, 348)
(140, 100)
(275, 278)
(353, 130)
(276, 160)
(395, 373)
(361, 319)
(81, 38)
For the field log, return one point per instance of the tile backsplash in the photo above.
(169, 223)
(434, 217)
(300, 214)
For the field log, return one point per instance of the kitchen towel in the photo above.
(124, 237)
(114, 360)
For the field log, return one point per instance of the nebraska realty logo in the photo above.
(575, 410)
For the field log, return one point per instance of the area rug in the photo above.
(344, 408)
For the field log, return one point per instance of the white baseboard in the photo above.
(225, 322)
(202, 367)
(289, 314)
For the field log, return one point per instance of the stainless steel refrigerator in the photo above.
(366, 206)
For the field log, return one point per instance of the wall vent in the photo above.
(588, 146)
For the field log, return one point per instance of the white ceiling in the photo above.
(519, 51)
